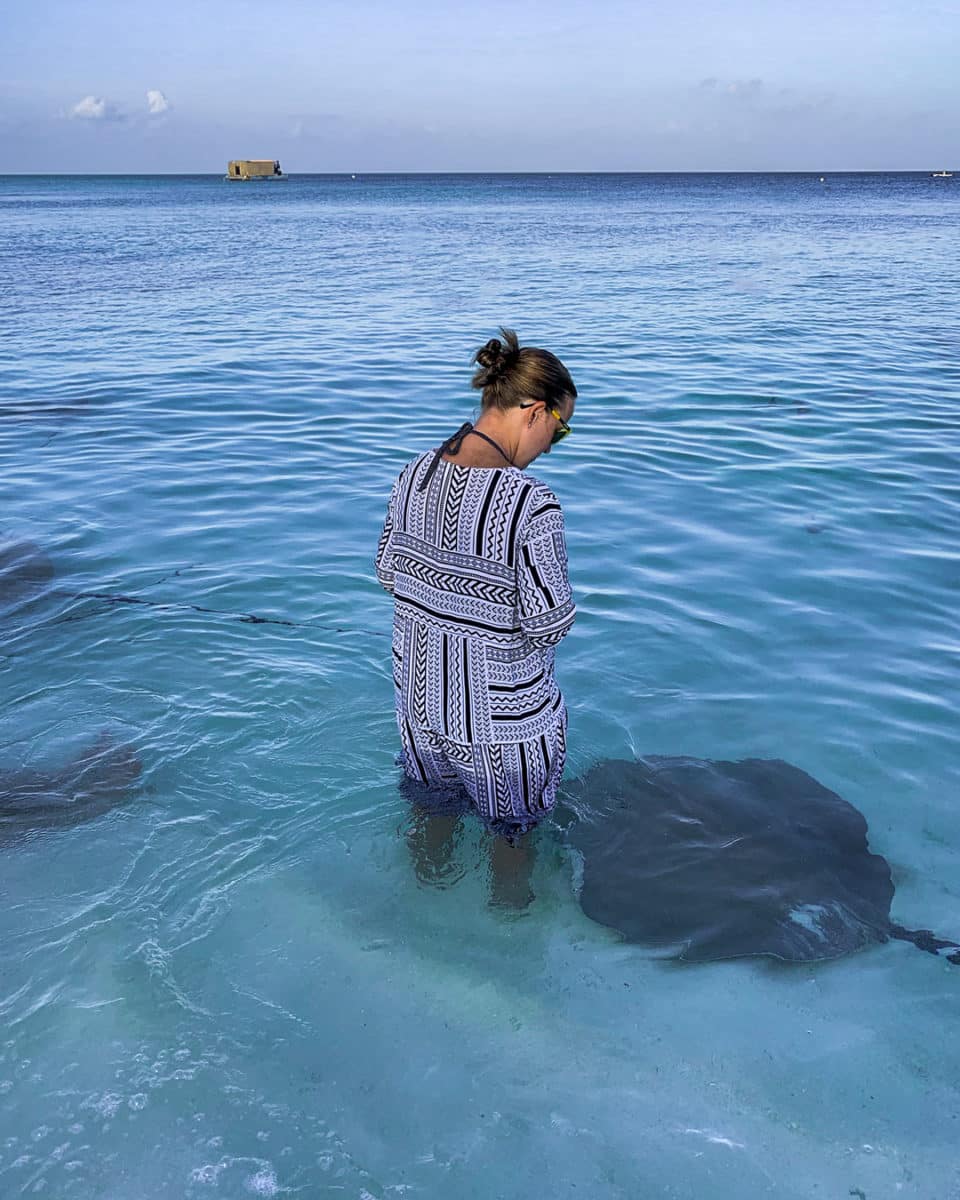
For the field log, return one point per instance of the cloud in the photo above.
(745, 87)
(95, 108)
(157, 102)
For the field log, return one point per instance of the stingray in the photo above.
(24, 572)
(96, 780)
(717, 860)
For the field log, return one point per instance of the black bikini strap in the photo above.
(450, 446)
(495, 445)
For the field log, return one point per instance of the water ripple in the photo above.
(235, 982)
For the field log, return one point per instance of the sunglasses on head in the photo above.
(564, 428)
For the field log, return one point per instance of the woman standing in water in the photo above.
(473, 552)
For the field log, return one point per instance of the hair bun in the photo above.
(495, 359)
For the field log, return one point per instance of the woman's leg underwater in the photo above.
(436, 801)
(512, 785)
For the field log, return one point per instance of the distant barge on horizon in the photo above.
(254, 168)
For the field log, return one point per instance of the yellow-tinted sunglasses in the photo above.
(564, 429)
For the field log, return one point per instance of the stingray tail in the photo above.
(927, 940)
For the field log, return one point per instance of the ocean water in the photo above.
(234, 984)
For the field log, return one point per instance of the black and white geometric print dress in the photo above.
(476, 561)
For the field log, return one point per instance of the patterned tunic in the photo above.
(477, 565)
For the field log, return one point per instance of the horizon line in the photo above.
(472, 174)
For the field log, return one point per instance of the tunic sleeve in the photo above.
(547, 610)
(383, 563)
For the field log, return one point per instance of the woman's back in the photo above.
(476, 560)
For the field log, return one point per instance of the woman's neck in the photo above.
(477, 451)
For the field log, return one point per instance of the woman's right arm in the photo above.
(383, 563)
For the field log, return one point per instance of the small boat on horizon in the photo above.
(254, 168)
(941, 175)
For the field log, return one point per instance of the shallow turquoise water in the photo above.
(235, 985)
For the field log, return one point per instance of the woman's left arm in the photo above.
(547, 609)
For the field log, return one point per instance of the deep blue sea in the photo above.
(233, 983)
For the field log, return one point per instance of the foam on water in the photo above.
(234, 985)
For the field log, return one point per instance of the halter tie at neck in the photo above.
(452, 446)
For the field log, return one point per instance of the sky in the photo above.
(525, 85)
